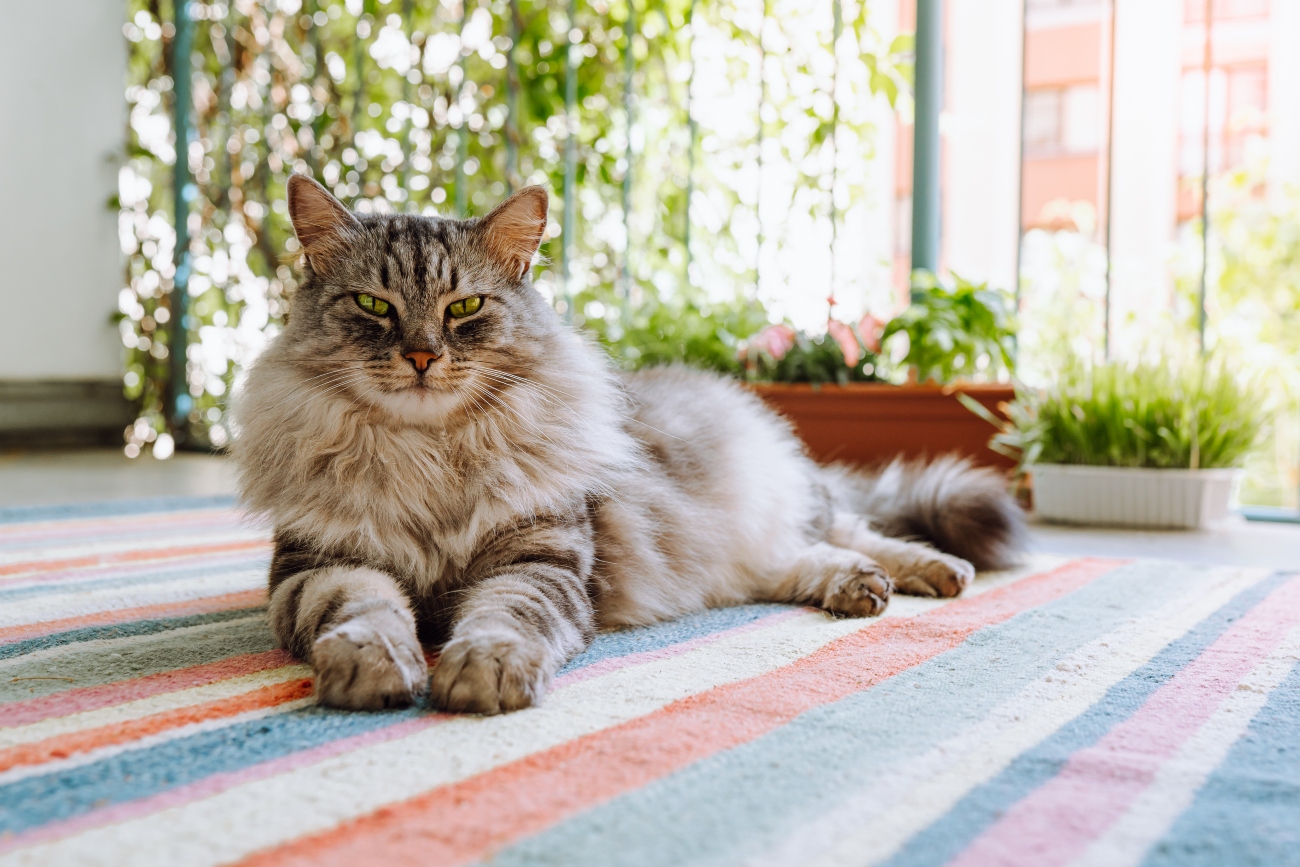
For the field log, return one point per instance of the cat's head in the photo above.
(420, 316)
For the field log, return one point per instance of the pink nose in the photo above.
(421, 360)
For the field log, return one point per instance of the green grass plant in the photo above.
(1197, 416)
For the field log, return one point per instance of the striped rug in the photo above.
(1076, 711)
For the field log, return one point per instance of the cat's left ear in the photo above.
(512, 233)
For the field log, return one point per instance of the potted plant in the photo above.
(837, 389)
(1137, 446)
(863, 393)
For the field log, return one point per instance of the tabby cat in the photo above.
(448, 464)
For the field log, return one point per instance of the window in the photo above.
(1043, 119)
(1064, 120)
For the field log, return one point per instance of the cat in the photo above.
(446, 463)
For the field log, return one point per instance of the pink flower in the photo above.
(869, 329)
(847, 340)
(775, 340)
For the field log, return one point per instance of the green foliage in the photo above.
(1148, 415)
(439, 106)
(681, 331)
(1253, 312)
(966, 331)
(818, 360)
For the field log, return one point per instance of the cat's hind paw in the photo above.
(935, 574)
(363, 664)
(490, 673)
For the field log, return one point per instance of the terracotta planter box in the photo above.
(871, 423)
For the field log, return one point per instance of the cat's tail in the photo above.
(949, 502)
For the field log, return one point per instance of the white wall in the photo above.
(1148, 65)
(62, 121)
(1284, 94)
(981, 128)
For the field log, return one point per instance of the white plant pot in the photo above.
(1132, 496)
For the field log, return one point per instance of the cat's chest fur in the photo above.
(421, 504)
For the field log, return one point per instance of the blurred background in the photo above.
(1124, 173)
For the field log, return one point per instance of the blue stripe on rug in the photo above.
(103, 662)
(647, 638)
(123, 630)
(722, 808)
(985, 804)
(148, 576)
(112, 508)
(143, 772)
(1248, 811)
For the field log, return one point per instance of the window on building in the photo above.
(1063, 120)
(1043, 119)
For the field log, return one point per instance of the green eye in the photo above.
(465, 307)
(371, 304)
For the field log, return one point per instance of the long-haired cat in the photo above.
(445, 462)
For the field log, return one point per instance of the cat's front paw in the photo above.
(490, 673)
(369, 663)
(936, 574)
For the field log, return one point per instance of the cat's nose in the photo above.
(421, 360)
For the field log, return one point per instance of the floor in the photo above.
(49, 478)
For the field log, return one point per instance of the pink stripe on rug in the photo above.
(100, 573)
(155, 523)
(122, 530)
(1056, 823)
(103, 695)
(135, 556)
(117, 616)
(605, 666)
(216, 784)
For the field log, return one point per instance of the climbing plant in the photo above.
(692, 139)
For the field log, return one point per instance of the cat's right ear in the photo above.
(320, 221)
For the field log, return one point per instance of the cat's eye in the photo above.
(464, 307)
(371, 304)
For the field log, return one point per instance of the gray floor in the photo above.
(57, 477)
(49, 478)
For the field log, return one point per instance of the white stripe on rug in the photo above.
(880, 821)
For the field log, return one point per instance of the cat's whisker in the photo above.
(496, 400)
(326, 389)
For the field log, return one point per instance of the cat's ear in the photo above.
(512, 233)
(320, 221)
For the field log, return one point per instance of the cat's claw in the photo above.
(362, 665)
(489, 674)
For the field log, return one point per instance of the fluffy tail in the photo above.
(950, 503)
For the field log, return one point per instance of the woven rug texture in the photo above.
(1073, 711)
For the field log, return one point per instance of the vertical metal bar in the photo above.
(222, 176)
(512, 101)
(178, 400)
(1110, 175)
(925, 148)
(1020, 152)
(570, 157)
(629, 111)
(762, 103)
(837, 28)
(409, 204)
(313, 6)
(359, 61)
(462, 133)
(1205, 180)
(690, 147)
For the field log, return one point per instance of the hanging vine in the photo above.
(431, 106)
